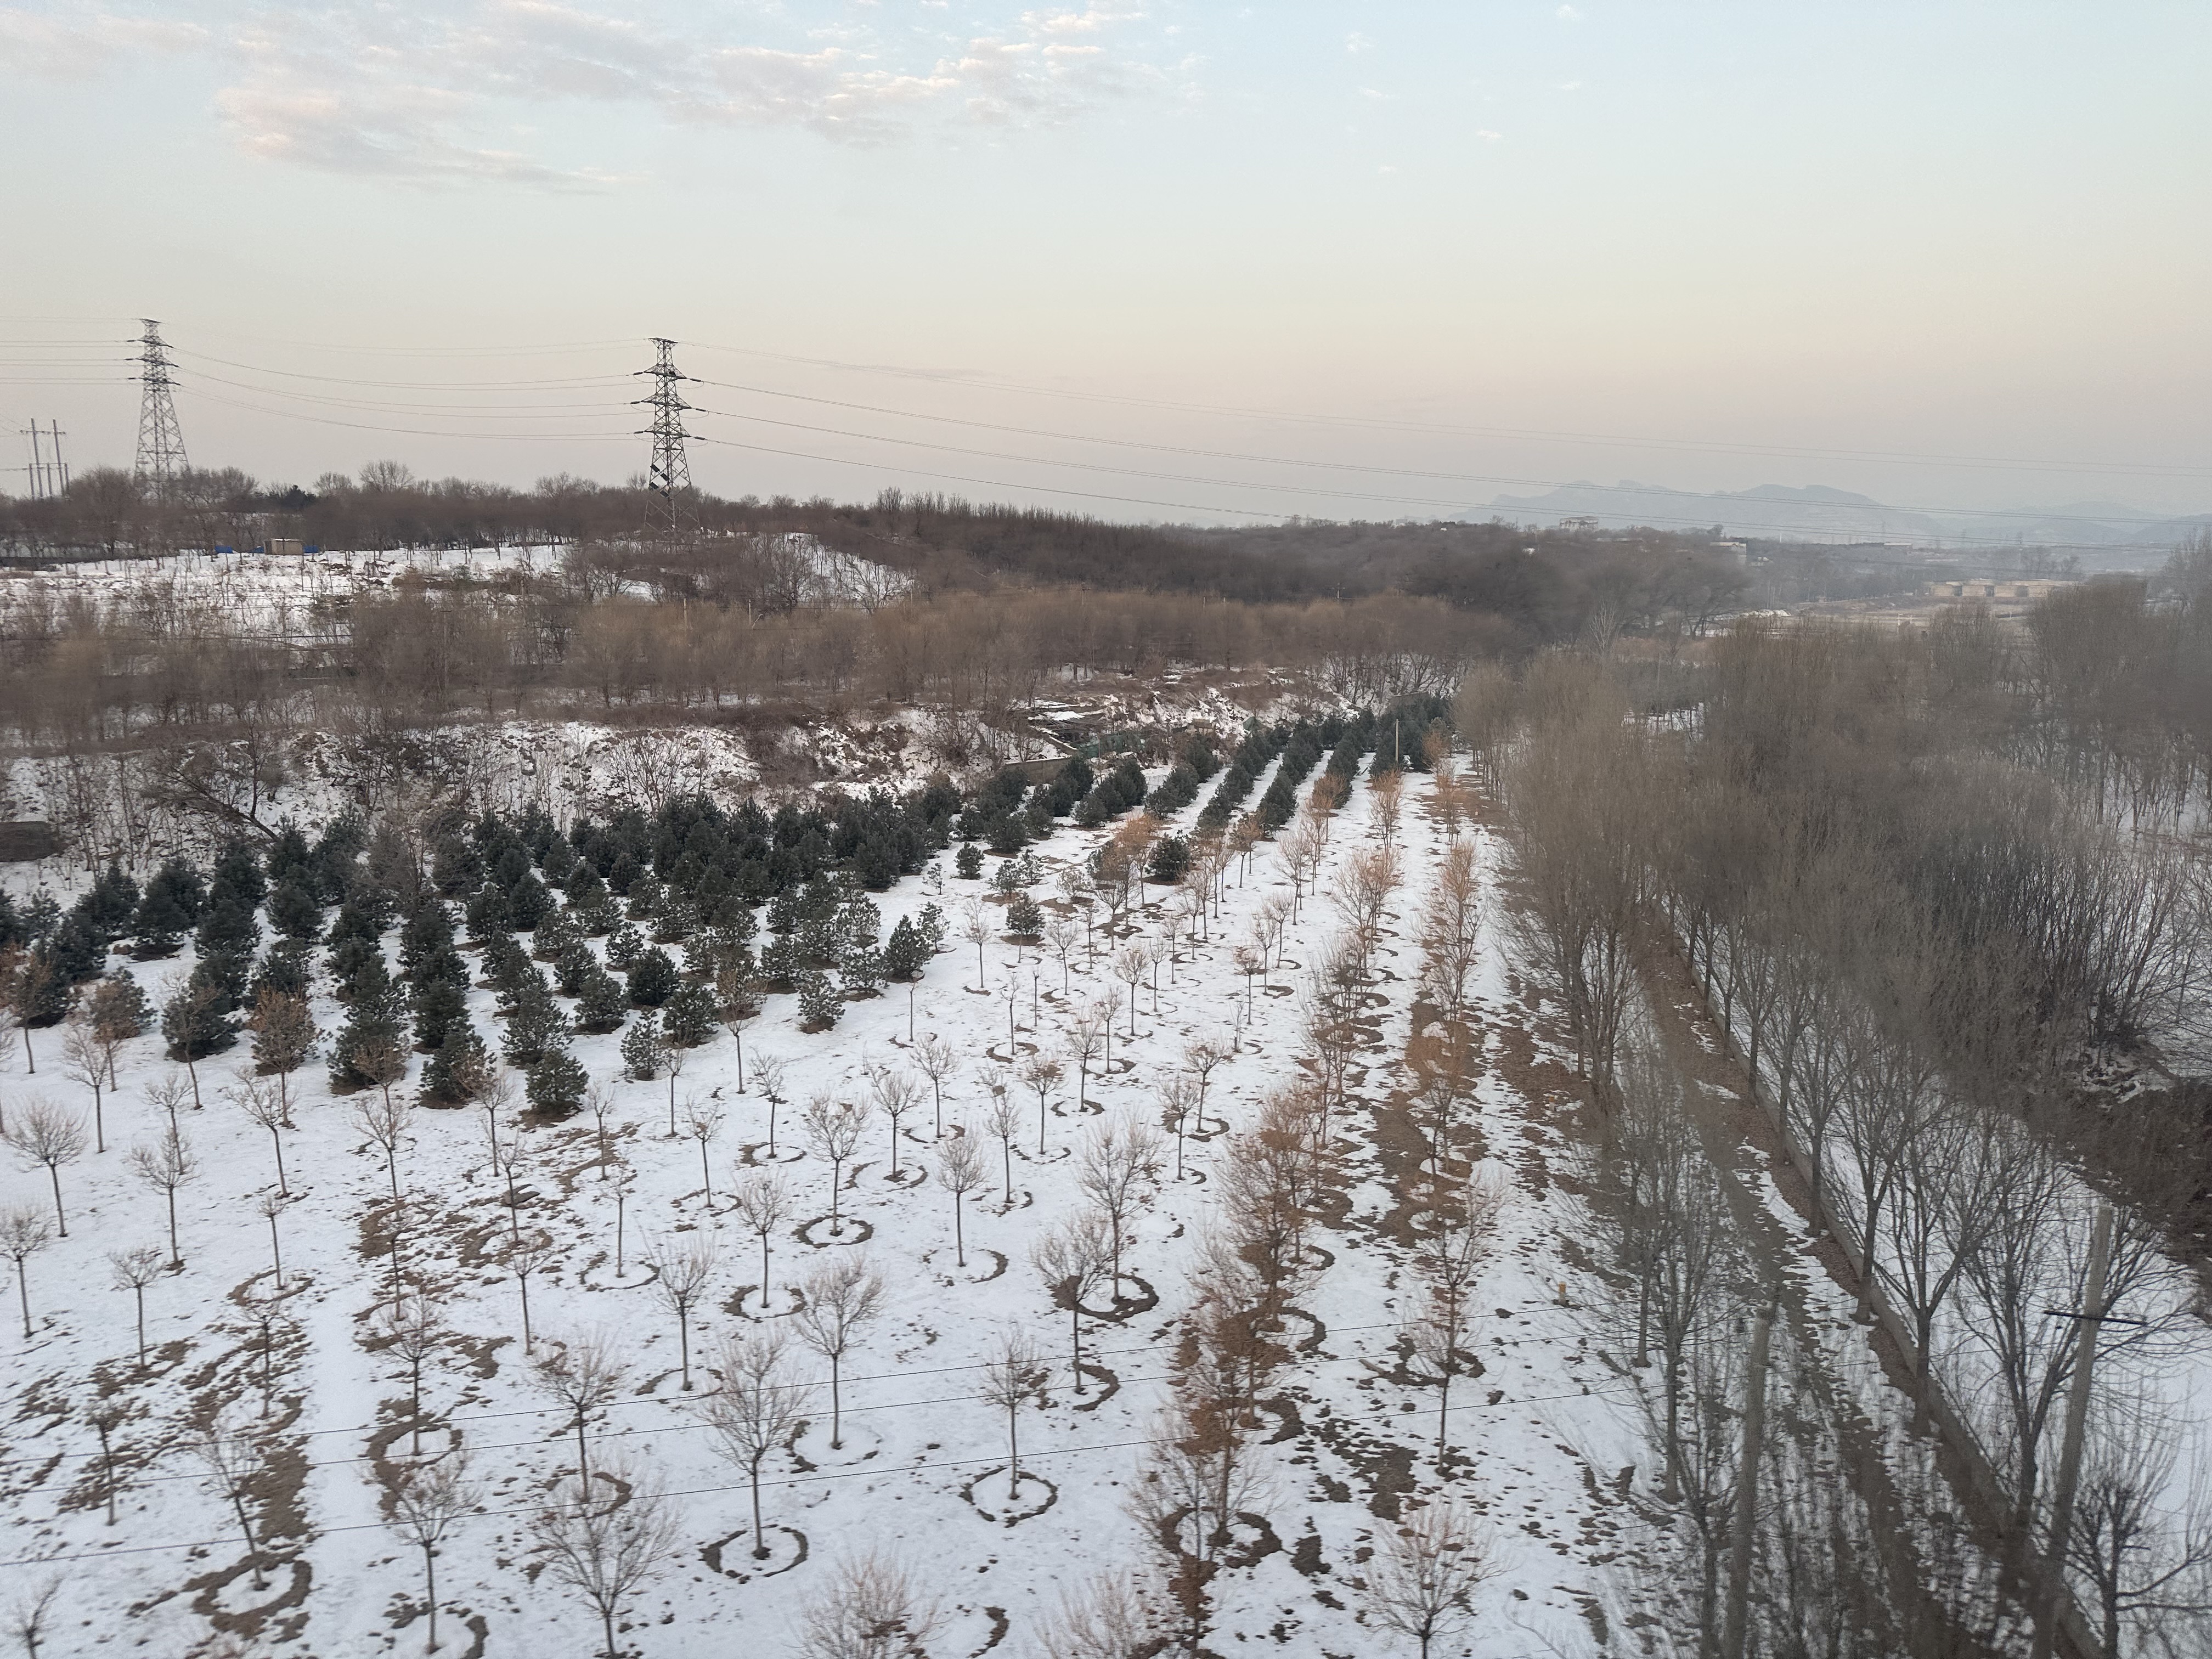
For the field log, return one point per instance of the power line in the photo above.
(1724, 498)
(1533, 435)
(571, 382)
(416, 432)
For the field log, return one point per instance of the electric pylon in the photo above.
(668, 507)
(161, 441)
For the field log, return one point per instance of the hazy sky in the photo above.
(1862, 245)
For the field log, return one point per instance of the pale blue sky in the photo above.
(1732, 232)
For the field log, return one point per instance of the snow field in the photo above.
(1533, 1438)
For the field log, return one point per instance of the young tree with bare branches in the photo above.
(85, 1059)
(758, 1407)
(1451, 927)
(684, 1269)
(1131, 964)
(1423, 1580)
(763, 1204)
(1012, 1376)
(234, 1456)
(265, 1106)
(47, 1136)
(934, 1059)
(424, 1502)
(842, 1298)
(24, 1231)
(1003, 1118)
(605, 1547)
(1108, 1616)
(1063, 937)
(1041, 1072)
(870, 1610)
(1450, 1262)
(284, 1036)
(1086, 1040)
(702, 1121)
(896, 1094)
(410, 1326)
(1121, 1160)
(1075, 1260)
(586, 1374)
(835, 1127)
(269, 1207)
(527, 1254)
(768, 1072)
(960, 1172)
(133, 1270)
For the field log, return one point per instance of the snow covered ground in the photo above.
(1537, 1439)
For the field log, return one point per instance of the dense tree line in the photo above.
(1547, 585)
(1930, 886)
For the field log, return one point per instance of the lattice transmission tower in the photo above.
(669, 508)
(161, 440)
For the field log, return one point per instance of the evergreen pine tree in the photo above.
(428, 931)
(556, 1085)
(75, 951)
(108, 906)
(376, 1013)
(289, 855)
(1025, 918)
(347, 958)
(288, 968)
(227, 921)
(194, 1027)
(226, 974)
(820, 1005)
(654, 980)
(334, 867)
(906, 953)
(438, 1005)
(573, 967)
(119, 1004)
(967, 862)
(644, 1049)
(557, 933)
(934, 925)
(528, 903)
(458, 1061)
(601, 1002)
(690, 1017)
(779, 961)
(456, 866)
(238, 868)
(624, 946)
(534, 1025)
(167, 908)
(295, 911)
(507, 967)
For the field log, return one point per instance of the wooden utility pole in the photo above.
(1733, 1629)
(2053, 1588)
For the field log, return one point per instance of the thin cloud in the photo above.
(81, 42)
(408, 90)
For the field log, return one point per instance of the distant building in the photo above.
(1981, 588)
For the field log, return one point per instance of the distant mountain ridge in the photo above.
(1821, 513)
